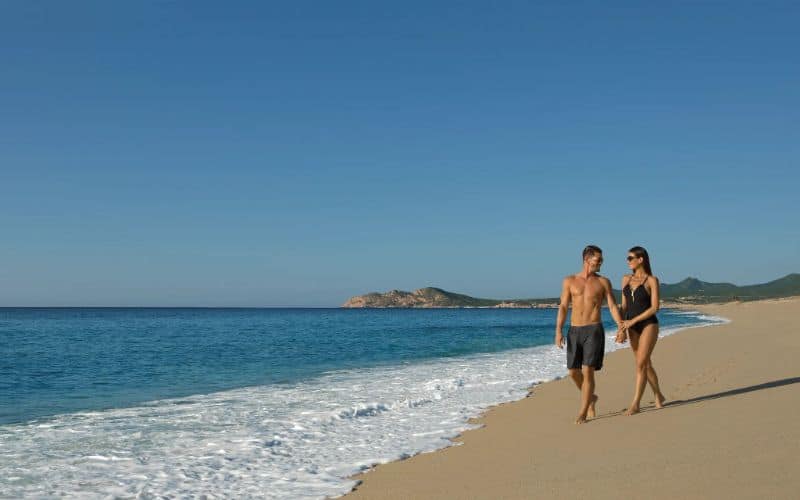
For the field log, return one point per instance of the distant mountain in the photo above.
(693, 290)
(690, 290)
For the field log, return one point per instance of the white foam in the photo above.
(283, 441)
(712, 319)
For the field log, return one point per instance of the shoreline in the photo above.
(477, 420)
(454, 471)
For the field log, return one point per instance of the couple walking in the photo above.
(636, 319)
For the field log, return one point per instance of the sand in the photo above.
(731, 428)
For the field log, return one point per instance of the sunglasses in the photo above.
(631, 257)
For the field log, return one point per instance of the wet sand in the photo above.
(731, 427)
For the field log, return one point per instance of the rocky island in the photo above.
(436, 297)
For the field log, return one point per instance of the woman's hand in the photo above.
(622, 336)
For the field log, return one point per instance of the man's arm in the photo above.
(623, 306)
(622, 334)
(563, 305)
(612, 303)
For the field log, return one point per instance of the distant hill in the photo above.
(690, 291)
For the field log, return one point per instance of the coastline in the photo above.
(714, 438)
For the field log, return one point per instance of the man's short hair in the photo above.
(591, 251)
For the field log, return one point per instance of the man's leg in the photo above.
(587, 394)
(577, 377)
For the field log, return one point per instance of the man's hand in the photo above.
(559, 340)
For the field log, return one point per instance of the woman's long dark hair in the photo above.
(641, 252)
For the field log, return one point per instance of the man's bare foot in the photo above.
(591, 413)
(633, 410)
(660, 400)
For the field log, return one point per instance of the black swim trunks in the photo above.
(586, 346)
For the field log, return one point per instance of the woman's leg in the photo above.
(633, 338)
(652, 377)
(646, 341)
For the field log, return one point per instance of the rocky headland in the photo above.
(436, 297)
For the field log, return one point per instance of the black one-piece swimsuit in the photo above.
(638, 301)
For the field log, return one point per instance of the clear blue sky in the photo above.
(297, 153)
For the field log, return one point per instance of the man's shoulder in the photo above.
(600, 280)
(604, 280)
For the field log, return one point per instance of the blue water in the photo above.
(55, 360)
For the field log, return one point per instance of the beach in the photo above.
(729, 429)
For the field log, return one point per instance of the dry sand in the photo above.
(731, 428)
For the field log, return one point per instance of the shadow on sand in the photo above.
(708, 397)
(734, 392)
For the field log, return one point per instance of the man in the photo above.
(586, 337)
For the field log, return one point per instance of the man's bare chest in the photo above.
(586, 289)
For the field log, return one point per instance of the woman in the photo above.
(640, 299)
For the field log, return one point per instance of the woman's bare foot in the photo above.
(591, 412)
(580, 420)
(633, 410)
(660, 400)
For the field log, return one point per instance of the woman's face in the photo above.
(634, 261)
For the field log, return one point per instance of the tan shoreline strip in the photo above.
(732, 429)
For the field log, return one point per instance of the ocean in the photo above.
(267, 403)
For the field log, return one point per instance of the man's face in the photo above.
(594, 262)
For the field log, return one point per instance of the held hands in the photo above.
(622, 333)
